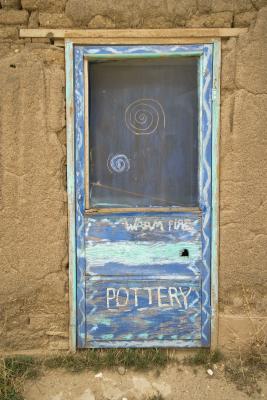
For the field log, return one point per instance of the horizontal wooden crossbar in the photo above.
(132, 33)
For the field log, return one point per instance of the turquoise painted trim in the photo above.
(141, 253)
(183, 279)
(140, 55)
(215, 191)
(71, 193)
(150, 343)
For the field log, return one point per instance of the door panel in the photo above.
(143, 277)
(123, 309)
(143, 261)
(143, 244)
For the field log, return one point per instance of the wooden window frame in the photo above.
(88, 209)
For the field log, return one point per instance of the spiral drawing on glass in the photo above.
(143, 116)
(118, 163)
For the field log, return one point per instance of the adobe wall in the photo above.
(33, 199)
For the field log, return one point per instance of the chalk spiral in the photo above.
(143, 116)
(118, 163)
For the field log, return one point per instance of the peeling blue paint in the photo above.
(140, 253)
(193, 326)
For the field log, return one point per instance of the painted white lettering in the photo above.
(164, 296)
(173, 294)
(149, 294)
(161, 296)
(139, 225)
(147, 226)
(135, 296)
(129, 227)
(144, 225)
(119, 296)
(110, 297)
(185, 296)
(159, 225)
(170, 225)
(180, 224)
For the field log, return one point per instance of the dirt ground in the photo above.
(173, 383)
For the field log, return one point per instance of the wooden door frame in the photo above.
(69, 54)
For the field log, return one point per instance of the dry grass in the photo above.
(249, 366)
(15, 370)
(138, 359)
(244, 370)
(204, 357)
(13, 373)
(156, 397)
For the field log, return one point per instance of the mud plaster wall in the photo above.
(33, 200)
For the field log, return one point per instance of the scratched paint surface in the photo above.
(140, 307)
(137, 253)
(169, 227)
(142, 244)
(187, 269)
(143, 309)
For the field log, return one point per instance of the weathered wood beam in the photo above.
(133, 41)
(132, 33)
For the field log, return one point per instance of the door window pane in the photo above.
(143, 133)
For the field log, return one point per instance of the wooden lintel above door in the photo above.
(132, 34)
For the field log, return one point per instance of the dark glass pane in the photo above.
(143, 133)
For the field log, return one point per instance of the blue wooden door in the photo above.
(143, 195)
